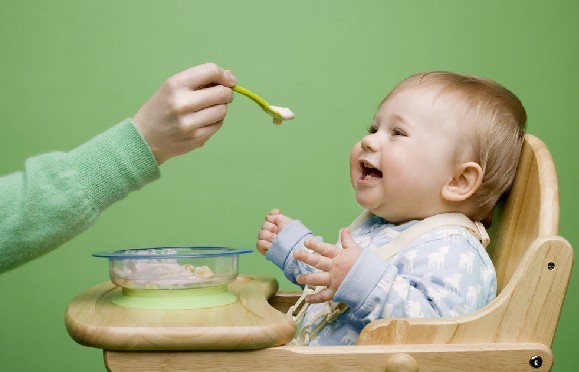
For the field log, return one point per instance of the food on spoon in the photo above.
(286, 114)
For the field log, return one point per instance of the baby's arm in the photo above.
(279, 237)
(440, 278)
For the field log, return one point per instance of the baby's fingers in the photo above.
(273, 218)
(322, 296)
(266, 225)
(273, 215)
(275, 211)
(325, 249)
(319, 278)
(318, 261)
(346, 238)
(263, 246)
(266, 235)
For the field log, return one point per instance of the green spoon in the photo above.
(279, 114)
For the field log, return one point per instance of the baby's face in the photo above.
(398, 170)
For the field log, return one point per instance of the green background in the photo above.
(71, 69)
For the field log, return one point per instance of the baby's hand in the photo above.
(273, 224)
(334, 262)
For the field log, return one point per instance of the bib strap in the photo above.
(439, 220)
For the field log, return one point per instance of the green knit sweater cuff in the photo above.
(113, 164)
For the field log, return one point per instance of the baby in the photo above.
(441, 150)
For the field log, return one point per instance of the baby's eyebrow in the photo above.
(400, 118)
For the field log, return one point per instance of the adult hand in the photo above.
(334, 262)
(188, 109)
(273, 224)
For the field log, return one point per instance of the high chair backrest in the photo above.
(530, 210)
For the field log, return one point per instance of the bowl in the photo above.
(173, 267)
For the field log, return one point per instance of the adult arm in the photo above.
(58, 195)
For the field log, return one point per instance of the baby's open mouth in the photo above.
(369, 171)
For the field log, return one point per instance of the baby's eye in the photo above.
(372, 129)
(398, 132)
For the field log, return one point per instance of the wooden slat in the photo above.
(531, 210)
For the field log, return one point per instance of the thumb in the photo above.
(346, 238)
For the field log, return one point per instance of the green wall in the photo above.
(71, 69)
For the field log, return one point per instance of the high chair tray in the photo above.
(92, 319)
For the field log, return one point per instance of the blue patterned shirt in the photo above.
(442, 273)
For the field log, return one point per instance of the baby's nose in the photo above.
(369, 143)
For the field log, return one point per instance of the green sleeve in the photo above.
(58, 195)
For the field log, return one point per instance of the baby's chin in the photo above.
(375, 209)
(382, 211)
(363, 202)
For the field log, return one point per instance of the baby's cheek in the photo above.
(354, 156)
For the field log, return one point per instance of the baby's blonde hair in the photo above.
(493, 120)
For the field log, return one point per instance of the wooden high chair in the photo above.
(514, 332)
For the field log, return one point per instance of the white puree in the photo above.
(159, 274)
(286, 113)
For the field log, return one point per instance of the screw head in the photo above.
(551, 265)
(536, 361)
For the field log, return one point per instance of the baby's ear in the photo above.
(466, 180)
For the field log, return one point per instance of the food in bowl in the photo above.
(173, 267)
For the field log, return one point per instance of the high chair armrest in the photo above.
(283, 300)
